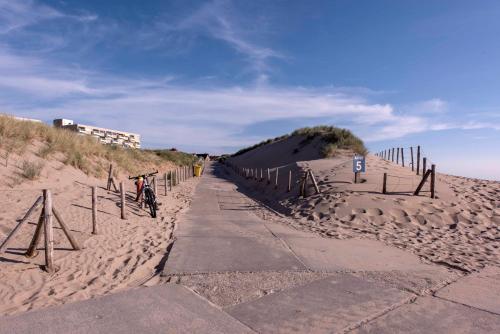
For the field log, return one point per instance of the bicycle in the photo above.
(148, 193)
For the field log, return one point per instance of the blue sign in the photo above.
(358, 164)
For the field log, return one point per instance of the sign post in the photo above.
(358, 166)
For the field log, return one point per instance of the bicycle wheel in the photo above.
(151, 201)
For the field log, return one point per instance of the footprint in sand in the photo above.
(322, 207)
(348, 218)
(374, 212)
(358, 211)
(398, 213)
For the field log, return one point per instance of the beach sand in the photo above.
(122, 255)
(460, 228)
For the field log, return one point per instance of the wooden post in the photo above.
(356, 177)
(412, 165)
(49, 232)
(433, 181)
(422, 182)
(303, 182)
(397, 156)
(276, 182)
(268, 176)
(113, 183)
(418, 160)
(402, 157)
(289, 180)
(31, 252)
(110, 177)
(424, 165)
(165, 184)
(393, 154)
(261, 175)
(384, 184)
(21, 222)
(94, 210)
(313, 179)
(122, 197)
(65, 229)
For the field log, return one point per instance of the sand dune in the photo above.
(459, 229)
(123, 254)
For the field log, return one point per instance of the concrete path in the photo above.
(161, 309)
(356, 285)
(221, 235)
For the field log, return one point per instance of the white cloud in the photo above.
(432, 106)
(218, 20)
(167, 112)
(18, 14)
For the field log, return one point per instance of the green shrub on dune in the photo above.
(333, 140)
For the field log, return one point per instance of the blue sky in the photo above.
(218, 75)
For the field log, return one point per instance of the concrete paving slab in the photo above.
(222, 227)
(160, 309)
(353, 254)
(236, 214)
(216, 254)
(205, 208)
(433, 315)
(285, 232)
(324, 306)
(480, 290)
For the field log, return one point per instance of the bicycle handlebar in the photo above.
(142, 175)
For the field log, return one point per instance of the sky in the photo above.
(215, 76)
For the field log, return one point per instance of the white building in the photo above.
(105, 136)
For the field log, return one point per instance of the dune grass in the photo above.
(333, 139)
(31, 170)
(177, 157)
(79, 151)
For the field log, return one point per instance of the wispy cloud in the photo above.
(18, 14)
(170, 112)
(218, 19)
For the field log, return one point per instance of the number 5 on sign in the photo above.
(358, 164)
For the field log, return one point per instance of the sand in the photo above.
(459, 229)
(124, 254)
